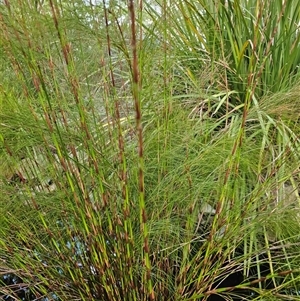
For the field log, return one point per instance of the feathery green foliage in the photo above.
(149, 151)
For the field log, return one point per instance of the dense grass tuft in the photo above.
(149, 151)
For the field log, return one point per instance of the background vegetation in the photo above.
(149, 150)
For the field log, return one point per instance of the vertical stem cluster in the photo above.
(125, 251)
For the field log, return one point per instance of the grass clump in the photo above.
(149, 151)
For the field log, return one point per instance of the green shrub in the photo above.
(149, 152)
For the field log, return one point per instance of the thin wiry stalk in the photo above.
(136, 84)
